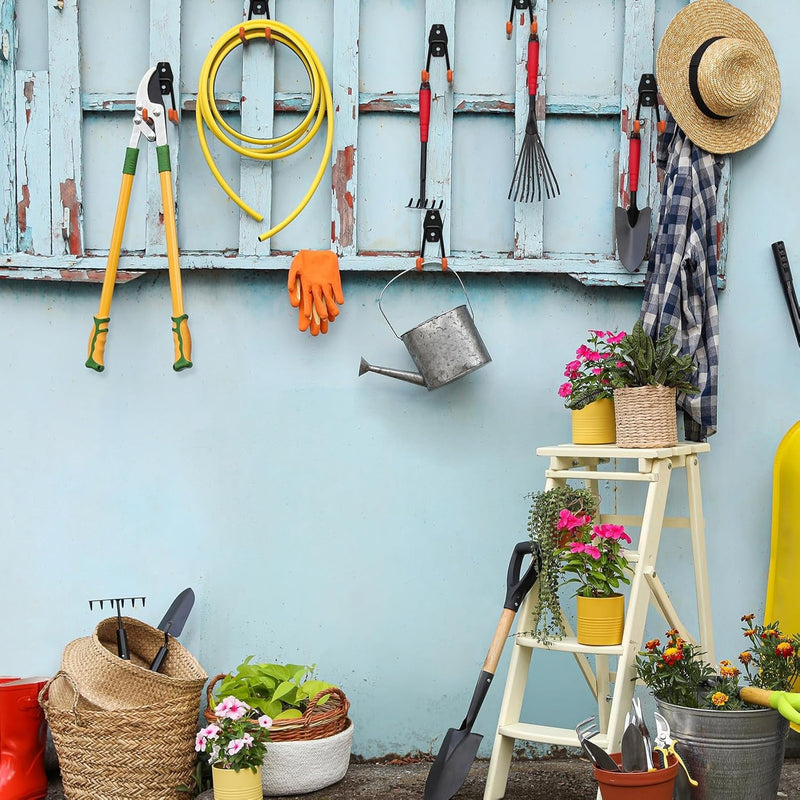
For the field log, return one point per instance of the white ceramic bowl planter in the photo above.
(306, 765)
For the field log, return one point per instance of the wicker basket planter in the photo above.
(645, 416)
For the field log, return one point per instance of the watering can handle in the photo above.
(414, 269)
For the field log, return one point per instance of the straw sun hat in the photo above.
(718, 76)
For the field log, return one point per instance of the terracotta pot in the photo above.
(657, 785)
(594, 424)
(601, 620)
(231, 785)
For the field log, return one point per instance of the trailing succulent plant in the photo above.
(543, 517)
(645, 362)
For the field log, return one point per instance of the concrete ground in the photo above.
(404, 779)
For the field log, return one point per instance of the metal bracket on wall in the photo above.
(260, 7)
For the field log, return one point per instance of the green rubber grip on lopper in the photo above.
(183, 342)
(131, 157)
(97, 344)
(162, 154)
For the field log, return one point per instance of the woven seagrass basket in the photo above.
(110, 682)
(140, 753)
(317, 722)
(645, 416)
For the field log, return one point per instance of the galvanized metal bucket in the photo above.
(733, 755)
(444, 347)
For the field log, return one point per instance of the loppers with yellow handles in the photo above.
(149, 121)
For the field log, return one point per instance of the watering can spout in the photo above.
(400, 374)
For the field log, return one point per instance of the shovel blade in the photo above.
(632, 239)
(452, 764)
(177, 613)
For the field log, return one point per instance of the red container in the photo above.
(656, 785)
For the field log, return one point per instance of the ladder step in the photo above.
(569, 644)
(565, 737)
(592, 475)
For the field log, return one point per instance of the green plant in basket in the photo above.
(644, 362)
(283, 691)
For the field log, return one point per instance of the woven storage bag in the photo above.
(130, 754)
(110, 682)
(317, 722)
(645, 416)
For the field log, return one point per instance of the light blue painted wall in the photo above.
(358, 523)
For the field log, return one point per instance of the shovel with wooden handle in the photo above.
(460, 746)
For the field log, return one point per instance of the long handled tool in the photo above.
(787, 704)
(785, 275)
(437, 48)
(632, 224)
(533, 168)
(149, 121)
(173, 623)
(459, 747)
(123, 651)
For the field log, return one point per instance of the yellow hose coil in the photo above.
(208, 115)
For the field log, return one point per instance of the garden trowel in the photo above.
(459, 747)
(173, 623)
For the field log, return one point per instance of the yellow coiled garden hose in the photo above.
(208, 115)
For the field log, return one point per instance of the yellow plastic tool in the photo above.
(787, 704)
(149, 121)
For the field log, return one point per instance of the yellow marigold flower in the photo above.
(784, 650)
(728, 671)
(719, 698)
(725, 663)
(745, 657)
(750, 632)
(748, 617)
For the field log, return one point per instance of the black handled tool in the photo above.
(173, 623)
(459, 747)
(785, 274)
(123, 651)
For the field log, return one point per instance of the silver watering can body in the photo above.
(444, 348)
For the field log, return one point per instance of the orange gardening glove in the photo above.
(315, 288)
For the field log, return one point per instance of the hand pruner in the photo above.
(150, 121)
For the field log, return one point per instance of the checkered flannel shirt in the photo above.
(681, 285)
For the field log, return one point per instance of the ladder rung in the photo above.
(569, 644)
(566, 737)
(596, 475)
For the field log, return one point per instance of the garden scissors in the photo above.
(665, 745)
(149, 121)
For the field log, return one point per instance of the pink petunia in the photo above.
(231, 708)
(264, 721)
(597, 370)
(617, 338)
(567, 521)
(592, 551)
(565, 390)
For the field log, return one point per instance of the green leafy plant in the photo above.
(773, 659)
(594, 556)
(543, 519)
(644, 362)
(283, 691)
(589, 373)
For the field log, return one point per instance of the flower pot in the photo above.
(306, 765)
(600, 620)
(733, 755)
(594, 424)
(645, 416)
(231, 785)
(657, 785)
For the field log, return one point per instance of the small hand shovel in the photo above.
(459, 747)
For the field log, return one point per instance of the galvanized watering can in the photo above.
(444, 348)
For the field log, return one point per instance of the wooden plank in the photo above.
(165, 45)
(8, 53)
(66, 178)
(344, 88)
(638, 57)
(440, 140)
(529, 217)
(257, 114)
(34, 212)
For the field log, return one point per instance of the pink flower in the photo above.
(573, 366)
(615, 338)
(592, 551)
(593, 355)
(609, 531)
(247, 739)
(567, 521)
(582, 351)
(597, 370)
(565, 390)
(599, 334)
(621, 364)
(231, 708)
(211, 732)
(234, 746)
(265, 721)
(576, 547)
(200, 742)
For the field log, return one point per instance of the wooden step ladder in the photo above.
(654, 468)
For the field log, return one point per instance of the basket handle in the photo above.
(308, 716)
(211, 684)
(44, 692)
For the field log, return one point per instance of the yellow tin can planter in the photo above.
(242, 785)
(595, 423)
(601, 620)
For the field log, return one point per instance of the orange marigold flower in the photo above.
(651, 645)
(784, 650)
(725, 663)
(672, 655)
(719, 698)
(750, 632)
(673, 632)
(748, 617)
(728, 671)
(769, 632)
(745, 657)
(680, 643)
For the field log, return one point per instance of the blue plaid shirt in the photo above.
(681, 285)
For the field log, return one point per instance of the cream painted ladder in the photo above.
(654, 467)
